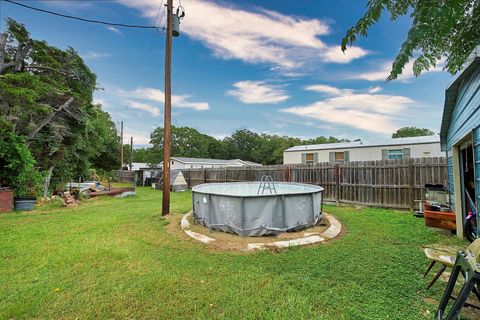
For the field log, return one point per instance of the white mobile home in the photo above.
(178, 163)
(399, 148)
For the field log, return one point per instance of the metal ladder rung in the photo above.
(264, 181)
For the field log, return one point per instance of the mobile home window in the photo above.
(309, 158)
(339, 156)
(395, 154)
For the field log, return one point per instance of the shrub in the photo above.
(17, 164)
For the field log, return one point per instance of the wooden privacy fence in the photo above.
(125, 175)
(385, 183)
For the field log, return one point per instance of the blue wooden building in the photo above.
(460, 138)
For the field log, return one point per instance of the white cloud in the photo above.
(139, 138)
(114, 30)
(257, 92)
(96, 55)
(370, 112)
(178, 101)
(383, 71)
(154, 111)
(375, 89)
(255, 35)
(330, 90)
(335, 54)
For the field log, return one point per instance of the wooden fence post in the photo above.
(337, 183)
(410, 184)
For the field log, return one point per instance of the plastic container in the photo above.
(24, 203)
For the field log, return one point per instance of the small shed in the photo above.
(460, 138)
(177, 181)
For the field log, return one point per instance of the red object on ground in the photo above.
(6, 200)
(439, 219)
(111, 192)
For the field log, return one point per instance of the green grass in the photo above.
(113, 258)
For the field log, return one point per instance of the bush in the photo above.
(18, 165)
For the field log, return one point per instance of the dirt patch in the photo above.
(232, 242)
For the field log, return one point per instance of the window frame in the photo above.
(335, 156)
(395, 154)
(309, 161)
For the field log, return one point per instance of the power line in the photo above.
(162, 29)
(82, 19)
(158, 13)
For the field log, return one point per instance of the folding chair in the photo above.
(468, 264)
(445, 256)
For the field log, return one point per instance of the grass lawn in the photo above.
(113, 258)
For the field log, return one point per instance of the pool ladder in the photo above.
(266, 183)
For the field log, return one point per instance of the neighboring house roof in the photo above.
(359, 144)
(141, 165)
(213, 161)
(250, 163)
(452, 91)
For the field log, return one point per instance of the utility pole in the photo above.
(121, 145)
(168, 112)
(131, 152)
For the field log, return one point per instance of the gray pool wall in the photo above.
(236, 207)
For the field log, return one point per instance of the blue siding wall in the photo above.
(465, 118)
(476, 152)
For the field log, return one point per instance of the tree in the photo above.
(46, 98)
(445, 29)
(185, 142)
(322, 140)
(242, 144)
(412, 132)
(17, 163)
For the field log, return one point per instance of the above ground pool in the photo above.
(249, 209)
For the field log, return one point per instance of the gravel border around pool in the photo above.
(308, 238)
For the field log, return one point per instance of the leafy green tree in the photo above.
(46, 97)
(412, 132)
(185, 142)
(446, 29)
(270, 148)
(242, 144)
(322, 140)
(17, 163)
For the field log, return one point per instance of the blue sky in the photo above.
(267, 66)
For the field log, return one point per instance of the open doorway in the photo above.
(469, 192)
